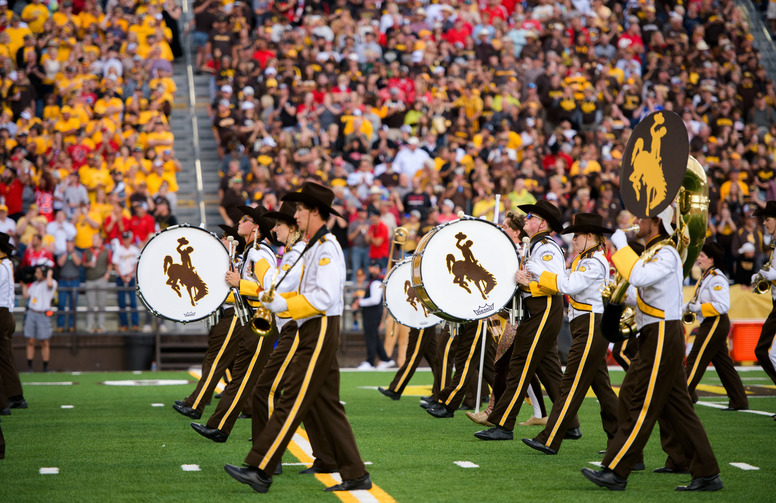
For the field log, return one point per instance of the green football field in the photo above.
(108, 442)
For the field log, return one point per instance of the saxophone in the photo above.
(761, 285)
(692, 205)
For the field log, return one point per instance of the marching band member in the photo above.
(586, 365)
(654, 385)
(765, 351)
(712, 301)
(252, 352)
(311, 390)
(215, 363)
(267, 391)
(535, 348)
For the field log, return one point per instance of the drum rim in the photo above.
(405, 260)
(423, 292)
(140, 295)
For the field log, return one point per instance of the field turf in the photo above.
(117, 443)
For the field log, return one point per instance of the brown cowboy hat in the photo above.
(314, 195)
(232, 231)
(5, 243)
(587, 223)
(257, 215)
(769, 210)
(285, 213)
(547, 211)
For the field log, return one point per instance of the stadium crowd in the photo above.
(87, 153)
(413, 111)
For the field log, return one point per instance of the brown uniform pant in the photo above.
(10, 385)
(422, 343)
(623, 351)
(267, 392)
(765, 343)
(312, 384)
(535, 350)
(655, 387)
(586, 367)
(222, 344)
(500, 374)
(467, 361)
(252, 355)
(711, 346)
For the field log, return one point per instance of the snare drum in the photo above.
(464, 270)
(180, 273)
(402, 301)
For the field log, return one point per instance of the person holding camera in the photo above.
(37, 322)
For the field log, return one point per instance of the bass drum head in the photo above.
(180, 273)
(402, 301)
(466, 269)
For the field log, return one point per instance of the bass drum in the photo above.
(401, 300)
(180, 274)
(464, 270)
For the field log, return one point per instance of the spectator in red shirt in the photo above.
(142, 224)
(11, 189)
(115, 224)
(34, 255)
(378, 239)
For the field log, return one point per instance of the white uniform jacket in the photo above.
(322, 284)
(658, 282)
(713, 292)
(582, 282)
(545, 252)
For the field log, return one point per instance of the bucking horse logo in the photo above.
(469, 269)
(412, 298)
(647, 166)
(184, 274)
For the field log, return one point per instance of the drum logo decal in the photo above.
(647, 166)
(413, 299)
(184, 274)
(469, 269)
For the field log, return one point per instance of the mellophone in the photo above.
(461, 271)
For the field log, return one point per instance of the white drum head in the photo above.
(402, 301)
(180, 273)
(467, 269)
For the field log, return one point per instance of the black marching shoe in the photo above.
(250, 475)
(605, 478)
(573, 434)
(180, 402)
(638, 467)
(389, 393)
(712, 483)
(315, 469)
(440, 411)
(17, 403)
(213, 434)
(730, 409)
(427, 399)
(187, 411)
(361, 483)
(534, 444)
(278, 469)
(665, 469)
(495, 433)
(5, 411)
(430, 403)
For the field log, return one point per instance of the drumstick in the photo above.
(496, 209)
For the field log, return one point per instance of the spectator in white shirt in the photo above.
(124, 260)
(62, 230)
(410, 159)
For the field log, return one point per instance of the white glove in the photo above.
(694, 307)
(684, 307)
(278, 304)
(754, 277)
(534, 270)
(769, 274)
(619, 239)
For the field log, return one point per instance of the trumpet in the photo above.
(241, 310)
(632, 228)
(399, 239)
